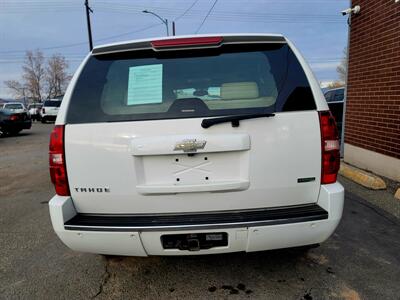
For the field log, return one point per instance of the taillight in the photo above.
(330, 148)
(14, 117)
(187, 42)
(58, 170)
(43, 111)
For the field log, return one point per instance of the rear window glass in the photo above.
(230, 80)
(50, 103)
(13, 106)
(34, 106)
(329, 96)
(334, 95)
(339, 95)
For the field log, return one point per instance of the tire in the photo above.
(14, 131)
(43, 120)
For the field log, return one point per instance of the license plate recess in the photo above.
(194, 241)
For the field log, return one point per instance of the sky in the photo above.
(316, 27)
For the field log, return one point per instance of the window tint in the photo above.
(52, 103)
(329, 96)
(13, 106)
(339, 95)
(148, 85)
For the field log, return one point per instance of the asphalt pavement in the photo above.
(360, 261)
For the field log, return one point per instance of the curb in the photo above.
(363, 178)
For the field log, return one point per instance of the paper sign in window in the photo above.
(145, 84)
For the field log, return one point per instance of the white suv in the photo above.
(194, 145)
(49, 110)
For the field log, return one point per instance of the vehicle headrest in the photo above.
(239, 90)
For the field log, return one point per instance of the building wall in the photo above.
(373, 96)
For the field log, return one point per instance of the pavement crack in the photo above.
(106, 276)
(377, 211)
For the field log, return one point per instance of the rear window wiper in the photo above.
(234, 119)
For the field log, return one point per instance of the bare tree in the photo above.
(335, 84)
(342, 68)
(34, 74)
(56, 76)
(41, 79)
(17, 88)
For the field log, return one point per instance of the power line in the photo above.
(218, 16)
(48, 48)
(205, 18)
(18, 4)
(186, 11)
(172, 11)
(130, 32)
(243, 17)
(230, 15)
(84, 43)
(114, 7)
(15, 6)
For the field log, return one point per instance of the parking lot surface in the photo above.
(360, 261)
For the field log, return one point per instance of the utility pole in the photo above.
(345, 88)
(173, 27)
(88, 11)
(355, 10)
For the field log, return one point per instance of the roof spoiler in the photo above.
(185, 43)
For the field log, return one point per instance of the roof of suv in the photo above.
(146, 43)
(7, 103)
(50, 101)
(335, 89)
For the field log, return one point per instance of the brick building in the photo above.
(372, 123)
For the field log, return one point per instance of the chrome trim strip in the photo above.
(197, 227)
(274, 208)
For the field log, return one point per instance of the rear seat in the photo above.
(239, 95)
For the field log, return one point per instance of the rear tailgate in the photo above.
(51, 111)
(117, 168)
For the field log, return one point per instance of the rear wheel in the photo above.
(43, 120)
(14, 131)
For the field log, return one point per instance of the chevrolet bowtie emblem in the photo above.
(190, 145)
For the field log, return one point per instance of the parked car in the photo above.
(335, 100)
(16, 107)
(144, 162)
(34, 110)
(49, 110)
(11, 122)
